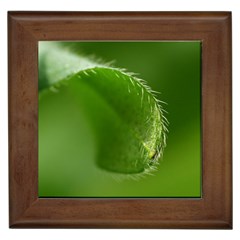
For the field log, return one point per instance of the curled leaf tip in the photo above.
(124, 112)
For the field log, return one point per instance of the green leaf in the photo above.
(126, 117)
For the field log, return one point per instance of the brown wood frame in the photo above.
(213, 210)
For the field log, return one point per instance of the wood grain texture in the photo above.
(213, 210)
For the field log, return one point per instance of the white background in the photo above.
(117, 5)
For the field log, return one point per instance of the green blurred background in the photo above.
(66, 149)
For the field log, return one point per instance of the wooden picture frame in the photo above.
(213, 210)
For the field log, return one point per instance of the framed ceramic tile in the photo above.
(120, 119)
